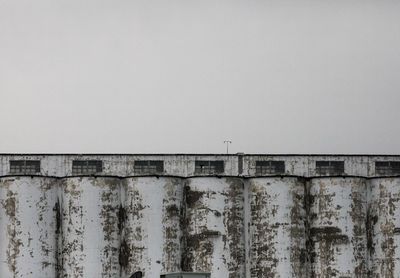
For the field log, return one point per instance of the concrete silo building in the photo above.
(234, 216)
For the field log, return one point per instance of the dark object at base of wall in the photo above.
(137, 274)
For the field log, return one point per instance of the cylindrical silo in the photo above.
(384, 227)
(152, 229)
(214, 227)
(337, 215)
(90, 227)
(276, 227)
(28, 224)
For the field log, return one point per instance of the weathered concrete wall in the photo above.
(152, 233)
(28, 246)
(183, 165)
(337, 217)
(384, 227)
(276, 228)
(214, 227)
(234, 225)
(120, 165)
(89, 227)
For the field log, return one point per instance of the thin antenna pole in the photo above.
(227, 142)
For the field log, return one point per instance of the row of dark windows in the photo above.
(278, 167)
(326, 167)
(80, 167)
(269, 167)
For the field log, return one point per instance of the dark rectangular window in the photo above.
(209, 167)
(329, 167)
(149, 167)
(24, 166)
(270, 167)
(387, 167)
(87, 167)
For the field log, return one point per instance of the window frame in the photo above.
(333, 167)
(389, 169)
(88, 167)
(209, 167)
(148, 167)
(24, 168)
(270, 167)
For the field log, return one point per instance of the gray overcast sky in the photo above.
(182, 76)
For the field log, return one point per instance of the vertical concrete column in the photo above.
(384, 227)
(276, 227)
(152, 229)
(337, 215)
(28, 243)
(90, 227)
(214, 227)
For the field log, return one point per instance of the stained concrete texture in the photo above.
(233, 227)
